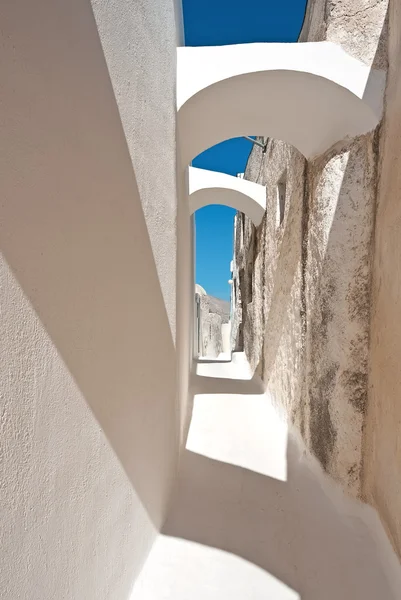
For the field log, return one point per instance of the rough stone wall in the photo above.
(147, 110)
(358, 26)
(237, 343)
(212, 340)
(269, 274)
(212, 314)
(306, 300)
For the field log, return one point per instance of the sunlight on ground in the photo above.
(236, 367)
(240, 527)
(187, 570)
(240, 430)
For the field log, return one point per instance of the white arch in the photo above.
(209, 187)
(200, 290)
(310, 95)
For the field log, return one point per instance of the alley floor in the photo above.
(254, 518)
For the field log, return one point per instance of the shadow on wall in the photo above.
(333, 292)
(217, 385)
(288, 265)
(328, 398)
(225, 377)
(338, 308)
(73, 231)
(290, 529)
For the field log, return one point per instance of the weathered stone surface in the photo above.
(212, 314)
(211, 336)
(342, 187)
(304, 276)
(358, 26)
(382, 432)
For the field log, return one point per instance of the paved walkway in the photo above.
(254, 519)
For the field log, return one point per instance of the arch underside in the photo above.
(209, 187)
(307, 111)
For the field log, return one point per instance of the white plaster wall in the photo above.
(255, 517)
(139, 40)
(70, 524)
(355, 25)
(83, 311)
(226, 336)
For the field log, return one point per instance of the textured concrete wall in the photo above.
(341, 188)
(71, 525)
(338, 275)
(306, 314)
(382, 448)
(88, 389)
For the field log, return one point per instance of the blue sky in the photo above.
(212, 23)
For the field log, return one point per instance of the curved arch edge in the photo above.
(211, 187)
(310, 95)
(201, 67)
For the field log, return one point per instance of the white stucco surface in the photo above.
(211, 187)
(311, 95)
(139, 41)
(89, 435)
(71, 526)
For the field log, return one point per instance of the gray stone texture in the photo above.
(304, 277)
(213, 312)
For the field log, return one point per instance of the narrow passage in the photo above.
(254, 518)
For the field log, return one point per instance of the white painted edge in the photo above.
(201, 67)
(211, 187)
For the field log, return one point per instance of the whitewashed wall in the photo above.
(87, 296)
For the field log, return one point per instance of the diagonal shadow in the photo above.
(334, 304)
(317, 542)
(73, 231)
(219, 385)
(231, 377)
(292, 530)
